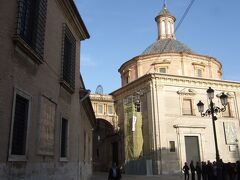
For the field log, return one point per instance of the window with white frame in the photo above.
(100, 109)
(64, 138)
(162, 70)
(19, 129)
(110, 109)
(187, 107)
(227, 112)
(199, 72)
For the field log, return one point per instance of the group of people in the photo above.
(212, 170)
(114, 172)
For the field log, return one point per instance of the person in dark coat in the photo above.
(238, 170)
(114, 173)
(186, 171)
(214, 168)
(220, 170)
(204, 170)
(192, 168)
(230, 171)
(209, 170)
(198, 170)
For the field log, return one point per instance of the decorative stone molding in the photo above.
(189, 126)
(165, 61)
(174, 80)
(198, 64)
(187, 91)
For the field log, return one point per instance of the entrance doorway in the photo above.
(192, 149)
(115, 152)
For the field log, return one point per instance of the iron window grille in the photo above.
(64, 138)
(31, 22)
(137, 106)
(19, 132)
(68, 59)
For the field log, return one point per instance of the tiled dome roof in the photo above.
(166, 45)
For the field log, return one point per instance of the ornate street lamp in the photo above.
(213, 111)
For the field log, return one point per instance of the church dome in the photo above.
(167, 45)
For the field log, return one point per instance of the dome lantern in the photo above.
(165, 23)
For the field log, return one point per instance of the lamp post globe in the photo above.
(200, 106)
(224, 99)
(212, 111)
(210, 93)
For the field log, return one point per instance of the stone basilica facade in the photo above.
(156, 125)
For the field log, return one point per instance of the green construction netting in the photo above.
(133, 137)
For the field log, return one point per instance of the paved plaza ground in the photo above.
(104, 176)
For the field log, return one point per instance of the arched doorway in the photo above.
(105, 145)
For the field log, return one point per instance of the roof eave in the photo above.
(72, 11)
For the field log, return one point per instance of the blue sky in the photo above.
(123, 29)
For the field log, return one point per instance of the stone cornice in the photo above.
(189, 126)
(181, 81)
(161, 62)
(198, 64)
(157, 18)
(148, 56)
(72, 13)
(140, 83)
(187, 91)
(102, 98)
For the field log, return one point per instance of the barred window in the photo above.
(64, 138)
(31, 24)
(137, 106)
(68, 62)
(19, 128)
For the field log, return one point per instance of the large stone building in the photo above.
(45, 111)
(159, 123)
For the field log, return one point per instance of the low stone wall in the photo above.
(138, 167)
(46, 171)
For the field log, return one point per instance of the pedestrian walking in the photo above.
(230, 171)
(114, 172)
(199, 171)
(209, 171)
(192, 168)
(204, 170)
(214, 167)
(238, 170)
(186, 171)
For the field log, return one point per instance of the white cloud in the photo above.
(87, 61)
